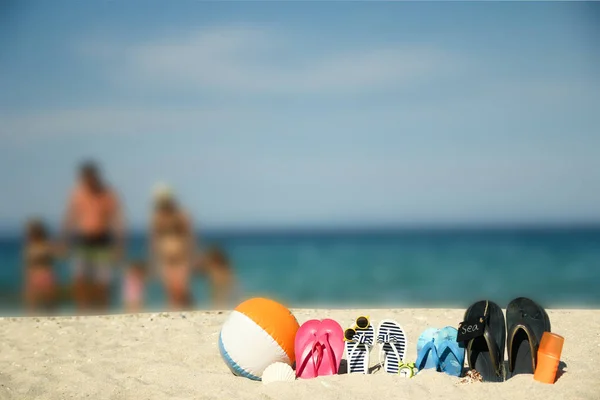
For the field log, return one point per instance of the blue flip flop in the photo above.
(451, 355)
(427, 356)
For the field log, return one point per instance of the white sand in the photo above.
(175, 356)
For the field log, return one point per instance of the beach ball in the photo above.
(258, 333)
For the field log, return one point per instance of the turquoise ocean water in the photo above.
(370, 268)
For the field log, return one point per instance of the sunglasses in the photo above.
(360, 323)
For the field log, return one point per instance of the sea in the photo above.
(370, 268)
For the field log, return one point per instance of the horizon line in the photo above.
(362, 228)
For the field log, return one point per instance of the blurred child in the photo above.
(215, 264)
(134, 286)
(39, 257)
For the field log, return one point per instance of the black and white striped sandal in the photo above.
(358, 342)
(392, 345)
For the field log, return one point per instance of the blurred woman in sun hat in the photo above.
(172, 246)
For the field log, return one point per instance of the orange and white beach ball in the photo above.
(258, 333)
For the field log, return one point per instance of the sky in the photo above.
(305, 113)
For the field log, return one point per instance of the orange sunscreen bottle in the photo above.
(548, 357)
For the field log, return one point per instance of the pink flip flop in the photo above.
(319, 346)
(306, 337)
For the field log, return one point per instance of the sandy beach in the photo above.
(175, 356)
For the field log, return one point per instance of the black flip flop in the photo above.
(527, 321)
(485, 353)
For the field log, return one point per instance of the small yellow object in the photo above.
(407, 370)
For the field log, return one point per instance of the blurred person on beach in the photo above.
(215, 264)
(39, 255)
(172, 247)
(134, 287)
(94, 220)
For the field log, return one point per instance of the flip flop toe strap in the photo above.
(305, 358)
(494, 352)
(323, 342)
(313, 353)
(388, 338)
(533, 344)
(453, 347)
(495, 355)
(357, 349)
(362, 338)
(428, 348)
(391, 339)
(362, 341)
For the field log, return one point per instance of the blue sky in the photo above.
(306, 113)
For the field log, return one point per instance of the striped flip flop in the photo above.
(392, 344)
(358, 342)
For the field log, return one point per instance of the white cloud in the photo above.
(109, 120)
(252, 63)
(223, 62)
(248, 60)
(492, 111)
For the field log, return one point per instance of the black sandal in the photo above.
(485, 353)
(527, 321)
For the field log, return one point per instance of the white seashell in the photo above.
(278, 372)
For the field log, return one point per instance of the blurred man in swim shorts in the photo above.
(94, 222)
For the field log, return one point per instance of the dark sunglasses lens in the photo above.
(362, 322)
(349, 334)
